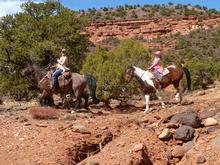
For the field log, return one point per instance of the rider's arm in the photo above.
(62, 60)
(156, 62)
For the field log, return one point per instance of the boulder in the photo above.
(217, 117)
(207, 113)
(213, 128)
(200, 159)
(165, 134)
(188, 145)
(178, 152)
(80, 129)
(184, 133)
(210, 122)
(138, 147)
(189, 118)
(216, 142)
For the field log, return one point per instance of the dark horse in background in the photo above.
(150, 84)
(68, 83)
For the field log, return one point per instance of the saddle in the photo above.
(159, 76)
(66, 75)
(64, 78)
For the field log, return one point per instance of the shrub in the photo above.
(200, 51)
(109, 67)
(165, 12)
(134, 15)
(15, 87)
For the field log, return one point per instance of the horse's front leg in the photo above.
(78, 103)
(147, 99)
(46, 99)
(78, 100)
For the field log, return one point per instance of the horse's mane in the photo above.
(39, 72)
(146, 71)
(38, 68)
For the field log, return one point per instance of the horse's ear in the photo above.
(51, 67)
(32, 59)
(29, 61)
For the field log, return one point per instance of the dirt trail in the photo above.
(125, 135)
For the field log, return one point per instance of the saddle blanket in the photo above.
(165, 72)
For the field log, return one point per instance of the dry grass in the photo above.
(43, 113)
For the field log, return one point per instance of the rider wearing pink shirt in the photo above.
(156, 64)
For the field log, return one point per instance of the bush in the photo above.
(200, 51)
(134, 15)
(109, 67)
(165, 12)
(204, 73)
(15, 87)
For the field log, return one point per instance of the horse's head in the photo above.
(28, 70)
(44, 83)
(129, 73)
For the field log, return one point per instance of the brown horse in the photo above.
(68, 82)
(150, 84)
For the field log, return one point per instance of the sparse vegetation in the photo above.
(201, 52)
(149, 11)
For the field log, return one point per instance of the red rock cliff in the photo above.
(149, 28)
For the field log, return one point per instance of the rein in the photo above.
(142, 74)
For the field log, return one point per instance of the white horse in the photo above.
(149, 84)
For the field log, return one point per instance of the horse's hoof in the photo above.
(147, 111)
(97, 101)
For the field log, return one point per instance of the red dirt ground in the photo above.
(128, 136)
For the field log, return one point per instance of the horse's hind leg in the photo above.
(178, 95)
(50, 101)
(86, 97)
(158, 94)
(78, 103)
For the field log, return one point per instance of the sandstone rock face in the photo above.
(149, 28)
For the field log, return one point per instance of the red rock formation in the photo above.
(149, 28)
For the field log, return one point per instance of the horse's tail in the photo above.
(188, 77)
(91, 82)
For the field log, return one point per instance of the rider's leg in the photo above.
(159, 75)
(55, 76)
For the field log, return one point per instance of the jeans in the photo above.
(159, 76)
(55, 76)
